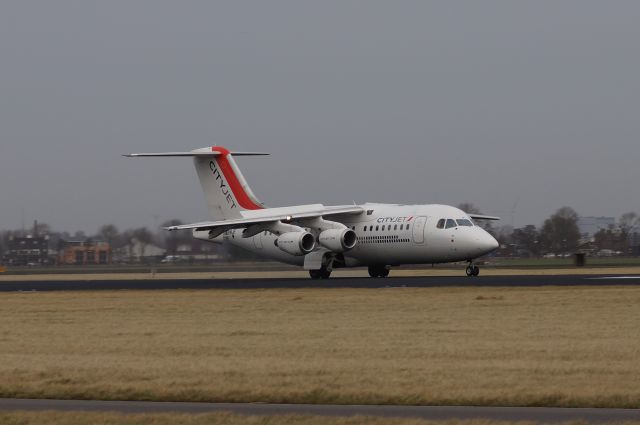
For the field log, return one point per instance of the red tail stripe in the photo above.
(227, 170)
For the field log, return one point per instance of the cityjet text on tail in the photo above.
(322, 238)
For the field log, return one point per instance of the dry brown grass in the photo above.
(85, 418)
(478, 346)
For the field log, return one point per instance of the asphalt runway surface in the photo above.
(340, 282)
(533, 414)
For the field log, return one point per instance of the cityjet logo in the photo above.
(223, 186)
(394, 219)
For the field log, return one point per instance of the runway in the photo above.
(343, 282)
(436, 413)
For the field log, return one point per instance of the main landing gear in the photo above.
(378, 271)
(472, 270)
(323, 273)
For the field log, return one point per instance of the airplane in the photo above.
(323, 238)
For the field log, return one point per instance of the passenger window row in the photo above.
(383, 239)
(385, 227)
(447, 223)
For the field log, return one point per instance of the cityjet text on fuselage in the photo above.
(394, 219)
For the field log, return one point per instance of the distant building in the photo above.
(141, 251)
(589, 226)
(84, 252)
(192, 252)
(27, 250)
(137, 251)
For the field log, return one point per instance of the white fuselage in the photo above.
(387, 234)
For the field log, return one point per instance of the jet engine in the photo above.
(338, 240)
(296, 243)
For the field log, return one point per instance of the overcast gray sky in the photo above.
(382, 101)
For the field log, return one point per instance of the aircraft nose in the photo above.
(487, 243)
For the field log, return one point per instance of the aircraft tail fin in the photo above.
(226, 190)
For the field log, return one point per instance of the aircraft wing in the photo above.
(285, 214)
(483, 217)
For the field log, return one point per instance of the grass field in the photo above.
(546, 346)
(57, 418)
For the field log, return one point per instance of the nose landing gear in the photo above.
(472, 270)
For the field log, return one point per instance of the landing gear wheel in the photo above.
(472, 270)
(378, 271)
(320, 274)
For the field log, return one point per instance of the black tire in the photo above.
(469, 271)
(320, 274)
(476, 270)
(373, 271)
(378, 271)
(315, 274)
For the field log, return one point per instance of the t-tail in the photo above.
(225, 188)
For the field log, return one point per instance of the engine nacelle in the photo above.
(296, 243)
(338, 240)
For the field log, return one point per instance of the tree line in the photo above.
(122, 243)
(560, 235)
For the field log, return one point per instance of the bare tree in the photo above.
(4, 242)
(527, 238)
(109, 233)
(607, 239)
(627, 223)
(559, 233)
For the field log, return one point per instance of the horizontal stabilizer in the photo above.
(200, 154)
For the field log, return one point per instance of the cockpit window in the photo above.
(451, 223)
(464, 222)
(440, 224)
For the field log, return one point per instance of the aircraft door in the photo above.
(418, 229)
